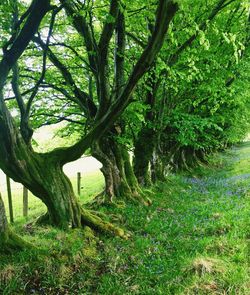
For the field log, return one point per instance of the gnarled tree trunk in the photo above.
(42, 173)
(120, 181)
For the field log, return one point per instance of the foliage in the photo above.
(193, 90)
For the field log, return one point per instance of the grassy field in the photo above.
(194, 239)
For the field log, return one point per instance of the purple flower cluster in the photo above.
(230, 186)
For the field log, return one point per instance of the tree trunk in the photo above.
(158, 167)
(143, 153)
(42, 174)
(54, 188)
(120, 181)
(183, 158)
(8, 240)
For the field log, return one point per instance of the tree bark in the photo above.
(120, 181)
(143, 153)
(42, 174)
(180, 158)
(8, 240)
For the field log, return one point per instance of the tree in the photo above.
(186, 66)
(118, 172)
(42, 174)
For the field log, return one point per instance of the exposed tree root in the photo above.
(97, 223)
(141, 198)
(43, 219)
(94, 220)
(13, 242)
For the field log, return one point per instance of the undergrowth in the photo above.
(194, 239)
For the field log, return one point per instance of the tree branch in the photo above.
(165, 13)
(119, 54)
(81, 97)
(136, 39)
(84, 30)
(103, 47)
(10, 57)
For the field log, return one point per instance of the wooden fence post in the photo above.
(79, 183)
(25, 201)
(10, 199)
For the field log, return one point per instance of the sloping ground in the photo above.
(194, 239)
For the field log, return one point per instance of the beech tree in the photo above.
(118, 172)
(42, 173)
(190, 93)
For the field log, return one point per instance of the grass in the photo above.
(194, 239)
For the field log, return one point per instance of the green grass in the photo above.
(194, 239)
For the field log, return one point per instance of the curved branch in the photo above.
(165, 13)
(10, 57)
(81, 97)
(36, 88)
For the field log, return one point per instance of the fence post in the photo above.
(25, 201)
(10, 199)
(79, 183)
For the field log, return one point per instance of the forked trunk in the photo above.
(42, 174)
(55, 189)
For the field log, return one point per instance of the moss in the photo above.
(12, 242)
(97, 223)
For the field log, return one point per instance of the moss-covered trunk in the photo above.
(120, 181)
(8, 240)
(42, 174)
(143, 153)
(54, 188)
(177, 157)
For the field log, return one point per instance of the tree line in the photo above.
(165, 80)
